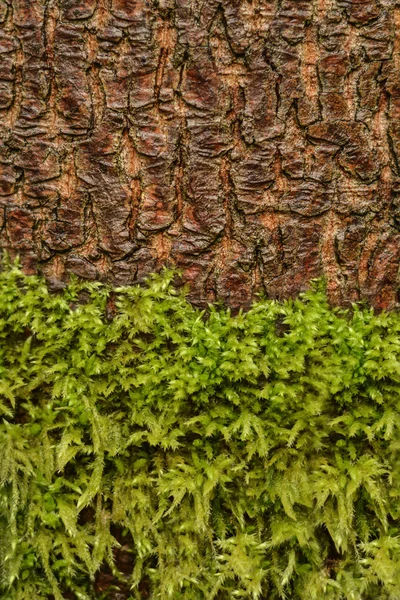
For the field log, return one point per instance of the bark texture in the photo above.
(255, 144)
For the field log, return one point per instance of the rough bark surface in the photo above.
(255, 144)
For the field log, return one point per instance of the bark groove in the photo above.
(255, 144)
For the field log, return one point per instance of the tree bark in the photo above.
(255, 144)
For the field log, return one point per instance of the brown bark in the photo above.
(253, 143)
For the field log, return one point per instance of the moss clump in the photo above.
(241, 459)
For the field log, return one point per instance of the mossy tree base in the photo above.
(180, 454)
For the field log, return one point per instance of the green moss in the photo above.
(242, 459)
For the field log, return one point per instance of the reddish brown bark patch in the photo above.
(252, 144)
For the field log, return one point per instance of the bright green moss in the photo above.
(246, 461)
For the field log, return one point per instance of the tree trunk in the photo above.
(255, 144)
